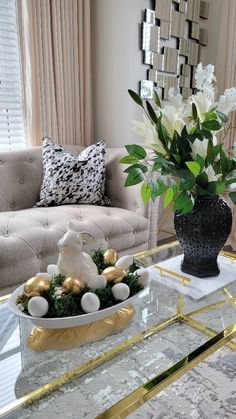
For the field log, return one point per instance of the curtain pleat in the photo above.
(56, 70)
(226, 76)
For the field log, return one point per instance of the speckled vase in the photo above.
(202, 233)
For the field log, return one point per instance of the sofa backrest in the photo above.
(21, 174)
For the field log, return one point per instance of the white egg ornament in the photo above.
(38, 306)
(144, 276)
(52, 270)
(124, 262)
(90, 302)
(44, 275)
(120, 291)
(98, 282)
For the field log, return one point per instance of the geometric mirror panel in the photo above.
(171, 40)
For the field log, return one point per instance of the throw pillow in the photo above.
(72, 180)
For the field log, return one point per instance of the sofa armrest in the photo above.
(129, 198)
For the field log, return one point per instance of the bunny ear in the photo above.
(70, 226)
(60, 244)
(87, 238)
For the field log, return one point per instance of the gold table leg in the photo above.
(180, 305)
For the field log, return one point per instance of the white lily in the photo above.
(199, 147)
(172, 120)
(227, 102)
(204, 76)
(212, 176)
(147, 130)
(214, 140)
(203, 104)
(175, 99)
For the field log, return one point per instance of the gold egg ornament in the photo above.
(114, 274)
(110, 256)
(36, 286)
(74, 285)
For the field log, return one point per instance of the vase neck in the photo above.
(200, 198)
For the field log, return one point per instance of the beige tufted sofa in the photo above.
(29, 236)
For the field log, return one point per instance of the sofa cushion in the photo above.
(70, 180)
(28, 238)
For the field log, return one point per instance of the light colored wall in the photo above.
(117, 67)
(209, 53)
(118, 64)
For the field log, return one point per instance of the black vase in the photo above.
(202, 233)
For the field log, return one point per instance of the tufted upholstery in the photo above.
(29, 236)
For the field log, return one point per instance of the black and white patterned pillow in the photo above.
(72, 180)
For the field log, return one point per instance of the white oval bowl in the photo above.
(65, 322)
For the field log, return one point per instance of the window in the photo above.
(12, 135)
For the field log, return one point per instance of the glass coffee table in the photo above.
(170, 334)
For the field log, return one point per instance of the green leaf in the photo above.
(183, 202)
(216, 151)
(194, 112)
(216, 188)
(169, 195)
(184, 132)
(134, 177)
(136, 97)
(231, 166)
(201, 161)
(188, 183)
(151, 112)
(142, 167)
(162, 187)
(224, 162)
(230, 181)
(220, 187)
(223, 117)
(206, 134)
(212, 125)
(194, 167)
(156, 166)
(136, 150)
(177, 158)
(129, 160)
(146, 192)
(232, 196)
(209, 116)
(210, 151)
(161, 162)
(162, 132)
(157, 99)
(202, 180)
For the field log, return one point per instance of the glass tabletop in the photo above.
(166, 328)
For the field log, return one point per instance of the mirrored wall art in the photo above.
(171, 40)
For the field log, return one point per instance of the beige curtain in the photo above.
(56, 71)
(226, 74)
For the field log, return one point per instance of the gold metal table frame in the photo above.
(151, 388)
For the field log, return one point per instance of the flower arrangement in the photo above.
(185, 159)
(56, 295)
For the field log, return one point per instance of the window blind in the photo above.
(12, 135)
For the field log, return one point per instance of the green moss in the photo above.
(58, 280)
(97, 256)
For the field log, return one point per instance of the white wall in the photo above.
(118, 64)
(117, 67)
(209, 53)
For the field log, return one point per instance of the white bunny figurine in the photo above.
(72, 261)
